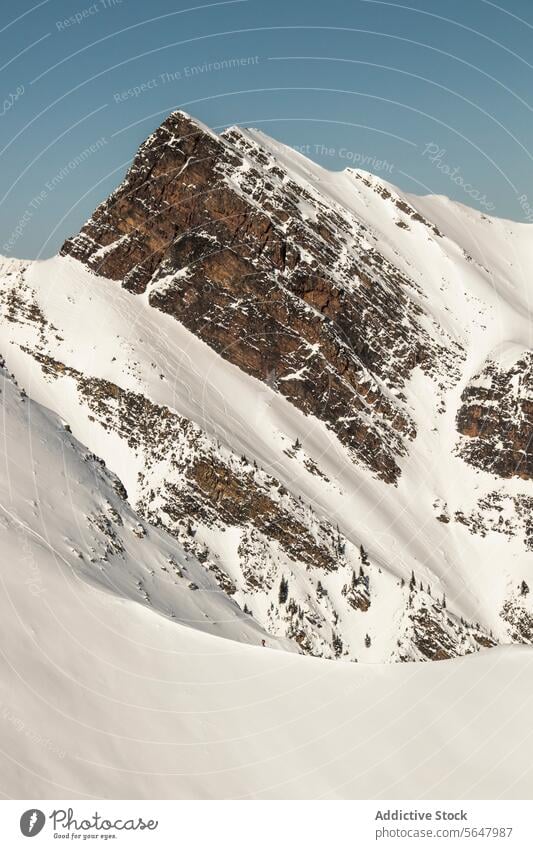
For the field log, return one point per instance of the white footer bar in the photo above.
(266, 824)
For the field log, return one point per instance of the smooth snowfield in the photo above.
(133, 706)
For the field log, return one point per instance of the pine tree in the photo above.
(336, 643)
(368, 641)
(524, 589)
(364, 555)
(283, 591)
(412, 582)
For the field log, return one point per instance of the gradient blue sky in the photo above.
(354, 82)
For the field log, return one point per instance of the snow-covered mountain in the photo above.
(315, 390)
(115, 681)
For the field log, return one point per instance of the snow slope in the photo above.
(104, 694)
(147, 709)
(59, 503)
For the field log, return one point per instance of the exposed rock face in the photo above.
(500, 513)
(357, 592)
(436, 635)
(222, 238)
(497, 417)
(520, 620)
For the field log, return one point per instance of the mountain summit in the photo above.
(319, 386)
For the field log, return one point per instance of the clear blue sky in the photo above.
(370, 84)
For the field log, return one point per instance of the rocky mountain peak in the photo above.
(282, 282)
(301, 379)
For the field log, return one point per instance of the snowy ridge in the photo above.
(60, 504)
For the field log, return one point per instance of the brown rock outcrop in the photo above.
(497, 417)
(218, 232)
